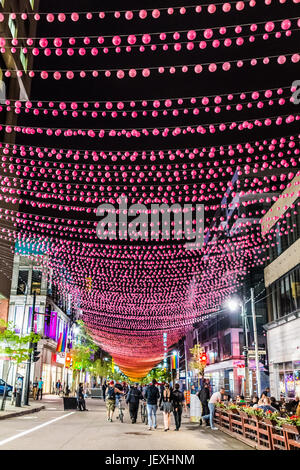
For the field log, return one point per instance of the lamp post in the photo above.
(28, 369)
(233, 305)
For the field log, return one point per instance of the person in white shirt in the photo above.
(215, 398)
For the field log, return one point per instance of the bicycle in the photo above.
(144, 414)
(121, 408)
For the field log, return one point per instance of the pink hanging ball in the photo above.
(286, 24)
(191, 35)
(116, 40)
(128, 15)
(226, 7)
(295, 58)
(240, 6)
(143, 14)
(70, 75)
(131, 39)
(61, 17)
(198, 68)
(226, 66)
(156, 13)
(281, 59)
(44, 75)
(146, 38)
(1, 17)
(50, 17)
(211, 8)
(269, 26)
(208, 33)
(212, 67)
(132, 73)
(74, 17)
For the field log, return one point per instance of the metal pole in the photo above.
(186, 366)
(258, 384)
(28, 369)
(245, 351)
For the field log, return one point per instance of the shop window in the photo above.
(36, 282)
(22, 282)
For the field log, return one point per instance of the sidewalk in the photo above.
(12, 411)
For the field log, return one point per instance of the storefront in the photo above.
(288, 377)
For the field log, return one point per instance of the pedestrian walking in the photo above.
(133, 399)
(58, 387)
(80, 398)
(120, 387)
(104, 387)
(177, 400)
(215, 398)
(35, 388)
(40, 389)
(166, 406)
(204, 396)
(152, 397)
(110, 400)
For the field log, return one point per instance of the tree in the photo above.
(14, 348)
(198, 361)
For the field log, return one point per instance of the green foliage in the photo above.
(195, 362)
(81, 356)
(159, 374)
(13, 346)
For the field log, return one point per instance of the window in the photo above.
(22, 282)
(227, 345)
(284, 295)
(36, 282)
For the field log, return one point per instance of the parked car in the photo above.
(9, 388)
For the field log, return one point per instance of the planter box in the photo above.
(278, 438)
(70, 403)
(292, 436)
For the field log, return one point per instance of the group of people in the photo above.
(170, 400)
(37, 388)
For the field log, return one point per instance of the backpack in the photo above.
(111, 393)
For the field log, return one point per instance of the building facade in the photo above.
(53, 321)
(15, 84)
(281, 229)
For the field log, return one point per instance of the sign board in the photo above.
(261, 352)
(241, 372)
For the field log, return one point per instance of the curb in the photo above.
(24, 412)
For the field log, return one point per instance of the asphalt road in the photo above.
(55, 429)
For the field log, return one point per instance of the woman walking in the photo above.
(166, 406)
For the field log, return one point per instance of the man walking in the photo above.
(40, 389)
(133, 399)
(204, 397)
(177, 400)
(80, 398)
(215, 398)
(152, 396)
(104, 386)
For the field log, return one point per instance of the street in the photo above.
(54, 428)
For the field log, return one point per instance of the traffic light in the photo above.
(203, 358)
(35, 353)
(68, 361)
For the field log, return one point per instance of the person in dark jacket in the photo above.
(152, 396)
(204, 396)
(104, 387)
(80, 398)
(177, 400)
(133, 399)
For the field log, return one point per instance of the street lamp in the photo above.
(234, 304)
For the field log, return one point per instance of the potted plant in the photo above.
(291, 424)
(271, 417)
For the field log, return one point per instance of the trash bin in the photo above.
(70, 403)
(18, 399)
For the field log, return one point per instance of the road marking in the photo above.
(21, 434)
